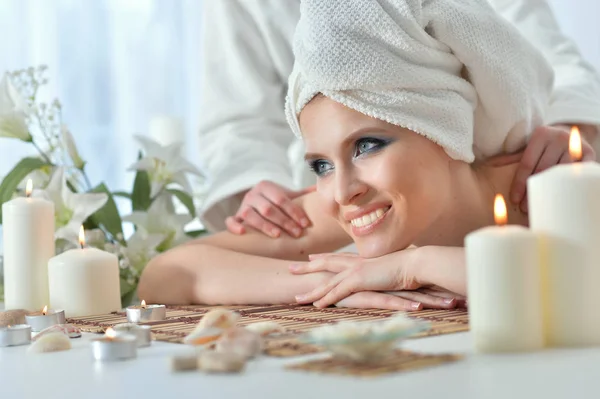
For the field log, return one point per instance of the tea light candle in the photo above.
(85, 281)
(44, 319)
(142, 313)
(504, 286)
(114, 346)
(15, 335)
(564, 210)
(28, 229)
(142, 333)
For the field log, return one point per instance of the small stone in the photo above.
(12, 317)
(221, 362)
(52, 342)
(184, 363)
(67, 329)
(240, 341)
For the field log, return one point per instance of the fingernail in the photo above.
(275, 233)
(297, 232)
(415, 305)
(300, 298)
(449, 301)
(304, 222)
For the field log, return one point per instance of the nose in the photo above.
(348, 187)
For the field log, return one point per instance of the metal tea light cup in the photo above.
(140, 314)
(142, 333)
(120, 347)
(16, 335)
(40, 321)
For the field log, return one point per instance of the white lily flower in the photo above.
(69, 144)
(164, 165)
(141, 248)
(39, 178)
(13, 112)
(71, 209)
(158, 220)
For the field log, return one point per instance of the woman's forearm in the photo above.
(443, 267)
(203, 274)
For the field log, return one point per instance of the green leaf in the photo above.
(185, 199)
(127, 293)
(108, 216)
(15, 176)
(196, 233)
(140, 197)
(122, 194)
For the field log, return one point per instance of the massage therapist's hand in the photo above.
(548, 146)
(355, 276)
(268, 207)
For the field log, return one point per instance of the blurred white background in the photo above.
(117, 63)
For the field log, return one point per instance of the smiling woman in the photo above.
(393, 154)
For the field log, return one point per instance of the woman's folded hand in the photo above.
(387, 282)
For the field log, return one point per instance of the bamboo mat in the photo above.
(181, 320)
(397, 361)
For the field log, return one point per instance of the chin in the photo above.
(374, 247)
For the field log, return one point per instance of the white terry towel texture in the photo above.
(451, 70)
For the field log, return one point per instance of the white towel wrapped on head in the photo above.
(451, 70)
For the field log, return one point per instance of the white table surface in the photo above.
(566, 373)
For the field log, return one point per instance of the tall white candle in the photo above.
(564, 208)
(84, 282)
(166, 130)
(504, 286)
(28, 230)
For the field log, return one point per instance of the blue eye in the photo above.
(320, 167)
(369, 144)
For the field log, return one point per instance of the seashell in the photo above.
(67, 329)
(203, 336)
(51, 342)
(266, 328)
(364, 341)
(12, 317)
(219, 318)
(221, 362)
(240, 341)
(184, 363)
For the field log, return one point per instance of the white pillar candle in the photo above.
(504, 287)
(564, 208)
(166, 130)
(28, 230)
(84, 282)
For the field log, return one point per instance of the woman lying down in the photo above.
(405, 119)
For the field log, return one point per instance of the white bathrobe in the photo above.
(244, 137)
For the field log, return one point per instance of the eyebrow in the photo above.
(309, 156)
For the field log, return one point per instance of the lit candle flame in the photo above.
(81, 237)
(110, 333)
(45, 310)
(28, 188)
(575, 149)
(500, 212)
(143, 304)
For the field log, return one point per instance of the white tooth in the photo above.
(379, 212)
(366, 220)
(358, 222)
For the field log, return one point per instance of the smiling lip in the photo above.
(367, 229)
